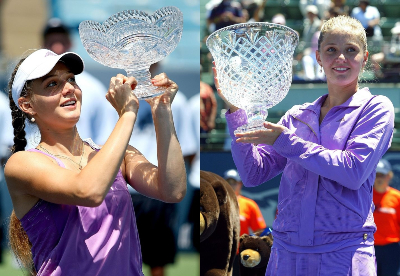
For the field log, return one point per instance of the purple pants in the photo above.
(285, 263)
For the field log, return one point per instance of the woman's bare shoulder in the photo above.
(23, 157)
(17, 159)
(21, 164)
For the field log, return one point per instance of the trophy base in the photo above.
(147, 93)
(257, 125)
(256, 114)
(144, 97)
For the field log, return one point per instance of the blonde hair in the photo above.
(20, 244)
(346, 23)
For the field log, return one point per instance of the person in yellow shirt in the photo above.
(251, 218)
(387, 220)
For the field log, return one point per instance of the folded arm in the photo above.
(368, 141)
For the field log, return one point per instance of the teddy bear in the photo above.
(254, 252)
(219, 225)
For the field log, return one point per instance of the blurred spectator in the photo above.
(225, 14)
(322, 6)
(387, 220)
(311, 24)
(251, 218)
(340, 7)
(369, 17)
(157, 221)
(333, 12)
(210, 5)
(312, 70)
(254, 10)
(56, 36)
(208, 110)
(386, 64)
(95, 121)
(308, 44)
(208, 107)
(279, 19)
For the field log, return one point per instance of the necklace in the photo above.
(66, 157)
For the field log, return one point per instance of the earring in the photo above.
(320, 69)
(32, 120)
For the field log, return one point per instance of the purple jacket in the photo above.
(325, 197)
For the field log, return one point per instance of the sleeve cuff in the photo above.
(235, 120)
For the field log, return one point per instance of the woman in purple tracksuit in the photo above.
(327, 151)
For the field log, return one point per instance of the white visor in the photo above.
(39, 64)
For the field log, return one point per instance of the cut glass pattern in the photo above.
(254, 66)
(133, 40)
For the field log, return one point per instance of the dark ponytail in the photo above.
(19, 241)
(18, 117)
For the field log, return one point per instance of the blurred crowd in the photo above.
(222, 13)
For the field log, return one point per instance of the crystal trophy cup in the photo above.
(133, 40)
(254, 67)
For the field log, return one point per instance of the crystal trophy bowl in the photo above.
(254, 67)
(133, 40)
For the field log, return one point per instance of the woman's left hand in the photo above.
(167, 97)
(265, 136)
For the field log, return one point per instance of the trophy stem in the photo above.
(144, 89)
(256, 115)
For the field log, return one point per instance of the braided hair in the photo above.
(19, 241)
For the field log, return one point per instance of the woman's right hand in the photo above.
(231, 107)
(120, 94)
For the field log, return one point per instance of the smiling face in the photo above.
(342, 57)
(342, 51)
(56, 98)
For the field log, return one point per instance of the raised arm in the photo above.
(32, 175)
(255, 164)
(350, 167)
(167, 182)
